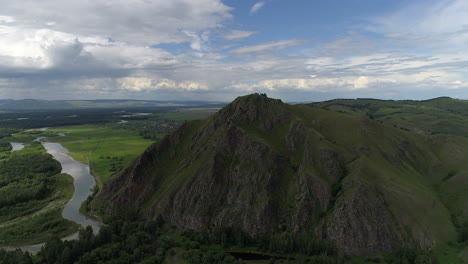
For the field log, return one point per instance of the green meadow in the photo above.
(105, 148)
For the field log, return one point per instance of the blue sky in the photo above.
(217, 50)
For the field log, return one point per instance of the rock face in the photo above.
(264, 166)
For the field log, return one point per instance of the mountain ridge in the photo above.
(263, 166)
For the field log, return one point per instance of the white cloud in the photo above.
(267, 47)
(238, 34)
(131, 21)
(142, 83)
(362, 82)
(6, 19)
(427, 17)
(50, 35)
(257, 6)
(439, 24)
(198, 41)
(315, 84)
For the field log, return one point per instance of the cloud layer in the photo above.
(192, 49)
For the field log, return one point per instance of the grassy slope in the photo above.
(439, 117)
(438, 198)
(404, 181)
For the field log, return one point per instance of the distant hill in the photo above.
(434, 116)
(262, 166)
(33, 104)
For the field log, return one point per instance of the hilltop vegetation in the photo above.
(442, 115)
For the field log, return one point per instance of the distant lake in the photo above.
(136, 114)
(16, 146)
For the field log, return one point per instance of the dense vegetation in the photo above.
(29, 180)
(4, 146)
(126, 240)
(6, 132)
(32, 190)
(37, 229)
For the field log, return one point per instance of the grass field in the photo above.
(37, 229)
(103, 147)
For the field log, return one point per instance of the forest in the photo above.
(124, 239)
(27, 178)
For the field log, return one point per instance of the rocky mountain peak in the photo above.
(254, 109)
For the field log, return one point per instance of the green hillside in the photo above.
(441, 115)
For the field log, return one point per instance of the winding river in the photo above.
(83, 182)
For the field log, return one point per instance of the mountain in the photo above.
(262, 166)
(33, 104)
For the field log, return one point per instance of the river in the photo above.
(83, 182)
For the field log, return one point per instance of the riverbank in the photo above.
(83, 182)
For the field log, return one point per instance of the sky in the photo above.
(296, 50)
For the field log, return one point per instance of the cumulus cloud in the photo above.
(47, 41)
(142, 83)
(257, 6)
(132, 21)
